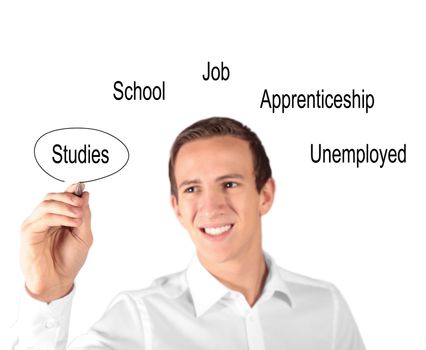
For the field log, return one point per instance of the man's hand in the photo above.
(55, 241)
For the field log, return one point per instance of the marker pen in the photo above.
(79, 189)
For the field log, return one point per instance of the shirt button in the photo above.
(52, 324)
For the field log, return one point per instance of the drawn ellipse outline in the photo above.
(81, 128)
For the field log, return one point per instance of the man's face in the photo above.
(218, 203)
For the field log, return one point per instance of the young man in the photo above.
(232, 296)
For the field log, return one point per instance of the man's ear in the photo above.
(267, 194)
(175, 206)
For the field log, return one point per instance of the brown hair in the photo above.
(221, 126)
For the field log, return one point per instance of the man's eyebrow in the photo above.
(189, 182)
(230, 176)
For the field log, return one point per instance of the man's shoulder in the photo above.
(169, 286)
(307, 288)
(291, 277)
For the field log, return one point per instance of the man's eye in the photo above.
(230, 184)
(190, 189)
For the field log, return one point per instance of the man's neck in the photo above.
(246, 275)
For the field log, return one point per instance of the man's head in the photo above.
(220, 126)
(221, 186)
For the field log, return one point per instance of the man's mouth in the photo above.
(216, 232)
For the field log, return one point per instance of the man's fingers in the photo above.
(66, 197)
(61, 209)
(56, 207)
(51, 220)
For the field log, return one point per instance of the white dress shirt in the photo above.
(193, 310)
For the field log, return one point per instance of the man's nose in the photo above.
(212, 204)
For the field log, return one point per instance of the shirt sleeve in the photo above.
(346, 333)
(42, 326)
(121, 327)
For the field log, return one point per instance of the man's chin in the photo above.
(214, 257)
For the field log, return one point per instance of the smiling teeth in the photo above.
(216, 230)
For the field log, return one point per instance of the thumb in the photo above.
(83, 231)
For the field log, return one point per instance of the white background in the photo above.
(362, 229)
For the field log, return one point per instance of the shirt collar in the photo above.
(206, 290)
(275, 283)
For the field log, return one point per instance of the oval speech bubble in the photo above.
(79, 154)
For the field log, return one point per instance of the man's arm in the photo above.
(55, 241)
(346, 333)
